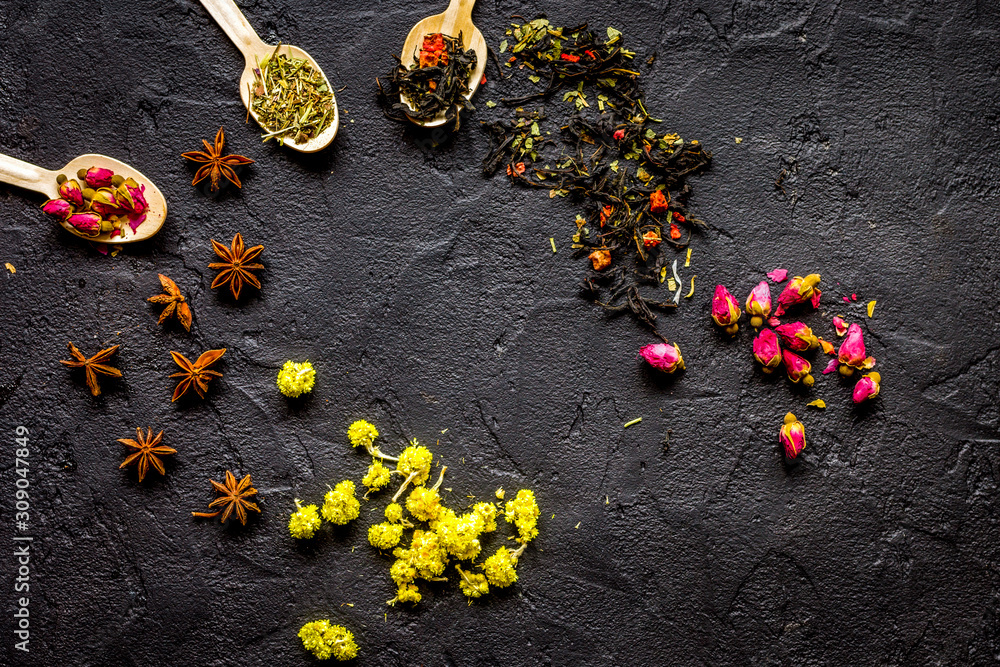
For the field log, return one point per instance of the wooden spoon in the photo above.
(235, 25)
(28, 176)
(457, 18)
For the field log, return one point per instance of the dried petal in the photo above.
(759, 304)
(725, 311)
(767, 351)
(778, 275)
(840, 325)
(867, 387)
(830, 367)
(797, 368)
(663, 356)
(792, 436)
(796, 336)
(818, 403)
(871, 307)
(827, 346)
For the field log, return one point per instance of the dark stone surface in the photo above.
(428, 299)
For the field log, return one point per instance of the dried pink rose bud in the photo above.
(799, 290)
(797, 368)
(759, 304)
(792, 436)
(725, 311)
(136, 195)
(796, 336)
(71, 191)
(88, 223)
(58, 207)
(867, 387)
(839, 325)
(852, 352)
(105, 203)
(767, 351)
(99, 177)
(663, 356)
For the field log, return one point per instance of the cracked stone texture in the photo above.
(430, 302)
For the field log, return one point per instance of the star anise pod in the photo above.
(232, 497)
(195, 375)
(236, 267)
(176, 304)
(92, 366)
(215, 164)
(147, 447)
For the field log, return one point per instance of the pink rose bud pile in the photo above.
(108, 203)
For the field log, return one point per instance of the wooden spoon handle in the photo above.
(235, 25)
(458, 15)
(26, 175)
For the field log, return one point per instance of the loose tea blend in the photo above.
(290, 98)
(603, 148)
(435, 84)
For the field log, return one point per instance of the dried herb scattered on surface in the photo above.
(147, 447)
(175, 303)
(232, 498)
(93, 366)
(436, 83)
(290, 98)
(602, 147)
(236, 266)
(215, 165)
(196, 375)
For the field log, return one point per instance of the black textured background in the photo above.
(429, 299)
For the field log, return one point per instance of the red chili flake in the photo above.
(619, 135)
(606, 213)
(591, 54)
(657, 202)
(512, 59)
(678, 217)
(519, 168)
(570, 57)
(675, 233)
(483, 81)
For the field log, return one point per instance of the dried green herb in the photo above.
(290, 98)
(601, 147)
(437, 82)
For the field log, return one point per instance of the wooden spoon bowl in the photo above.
(238, 29)
(456, 19)
(28, 176)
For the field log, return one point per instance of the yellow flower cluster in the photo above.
(523, 513)
(415, 463)
(447, 534)
(304, 521)
(339, 504)
(377, 477)
(325, 640)
(296, 379)
(362, 433)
